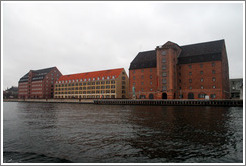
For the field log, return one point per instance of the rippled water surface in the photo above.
(38, 132)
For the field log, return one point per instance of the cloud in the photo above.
(88, 36)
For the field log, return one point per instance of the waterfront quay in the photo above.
(226, 103)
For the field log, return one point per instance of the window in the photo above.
(202, 87)
(163, 53)
(190, 66)
(113, 77)
(213, 71)
(190, 80)
(142, 83)
(163, 67)
(190, 73)
(93, 79)
(214, 87)
(201, 65)
(213, 79)
(164, 81)
(163, 60)
(150, 82)
(108, 77)
(142, 77)
(164, 74)
(201, 79)
(212, 96)
(150, 70)
(133, 77)
(123, 78)
(179, 81)
(190, 87)
(142, 70)
(133, 71)
(201, 95)
(150, 76)
(201, 72)
(213, 64)
(164, 88)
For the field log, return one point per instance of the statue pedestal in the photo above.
(134, 97)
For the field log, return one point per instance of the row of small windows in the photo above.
(142, 70)
(201, 72)
(89, 79)
(90, 96)
(88, 83)
(202, 87)
(201, 65)
(88, 92)
(89, 87)
(190, 80)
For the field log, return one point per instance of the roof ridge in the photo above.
(203, 43)
(94, 71)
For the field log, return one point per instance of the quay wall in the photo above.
(227, 103)
(88, 101)
(175, 102)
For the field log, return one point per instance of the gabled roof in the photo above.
(145, 59)
(38, 74)
(94, 74)
(193, 53)
(202, 48)
(201, 52)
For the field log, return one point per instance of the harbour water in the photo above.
(87, 133)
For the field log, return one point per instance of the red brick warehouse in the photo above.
(195, 71)
(38, 83)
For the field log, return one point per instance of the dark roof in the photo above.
(202, 48)
(145, 59)
(13, 89)
(38, 74)
(201, 52)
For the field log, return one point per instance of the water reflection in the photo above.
(136, 134)
(177, 134)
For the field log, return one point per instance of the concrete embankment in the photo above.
(227, 103)
(51, 101)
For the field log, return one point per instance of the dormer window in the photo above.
(85, 79)
(93, 79)
(108, 77)
(98, 78)
(81, 80)
(77, 80)
(113, 77)
(102, 78)
(73, 80)
(89, 79)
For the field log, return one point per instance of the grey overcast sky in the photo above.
(80, 37)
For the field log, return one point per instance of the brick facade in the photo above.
(38, 83)
(182, 72)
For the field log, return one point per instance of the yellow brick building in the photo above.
(98, 84)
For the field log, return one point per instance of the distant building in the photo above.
(236, 88)
(195, 71)
(11, 93)
(38, 83)
(98, 84)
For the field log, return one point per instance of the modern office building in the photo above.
(98, 84)
(38, 83)
(195, 71)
